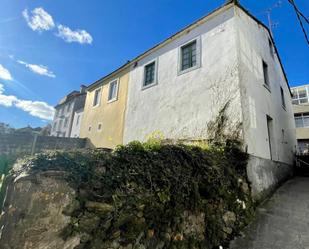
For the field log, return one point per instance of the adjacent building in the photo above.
(301, 115)
(178, 86)
(65, 111)
(225, 60)
(104, 112)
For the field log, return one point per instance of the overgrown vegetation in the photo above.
(154, 195)
(6, 163)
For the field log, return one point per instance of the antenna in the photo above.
(272, 25)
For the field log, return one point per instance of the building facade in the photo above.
(227, 56)
(64, 112)
(301, 115)
(226, 60)
(76, 124)
(104, 112)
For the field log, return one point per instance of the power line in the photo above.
(298, 11)
(299, 15)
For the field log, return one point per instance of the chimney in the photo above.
(83, 89)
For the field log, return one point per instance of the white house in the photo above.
(77, 120)
(65, 110)
(180, 85)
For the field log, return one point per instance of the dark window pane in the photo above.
(188, 56)
(149, 74)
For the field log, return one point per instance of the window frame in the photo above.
(283, 103)
(155, 80)
(266, 80)
(99, 102)
(198, 55)
(109, 89)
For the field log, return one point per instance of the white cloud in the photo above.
(39, 19)
(35, 108)
(38, 69)
(5, 74)
(80, 36)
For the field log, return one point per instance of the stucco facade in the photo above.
(103, 123)
(76, 124)
(232, 48)
(268, 124)
(64, 114)
(180, 104)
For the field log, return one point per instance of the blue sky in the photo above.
(80, 41)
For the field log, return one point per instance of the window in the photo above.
(65, 123)
(113, 91)
(60, 125)
(97, 97)
(271, 48)
(265, 72)
(99, 126)
(301, 120)
(89, 128)
(77, 120)
(188, 56)
(149, 74)
(55, 126)
(282, 97)
(300, 95)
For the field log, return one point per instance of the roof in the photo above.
(227, 5)
(69, 97)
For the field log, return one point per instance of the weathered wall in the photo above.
(266, 175)
(109, 114)
(32, 216)
(27, 143)
(77, 120)
(181, 105)
(66, 111)
(257, 100)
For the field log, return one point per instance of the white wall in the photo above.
(258, 101)
(65, 113)
(180, 106)
(77, 120)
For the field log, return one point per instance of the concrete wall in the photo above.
(257, 100)
(266, 175)
(28, 143)
(110, 115)
(181, 105)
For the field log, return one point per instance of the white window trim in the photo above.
(109, 88)
(155, 81)
(99, 103)
(198, 56)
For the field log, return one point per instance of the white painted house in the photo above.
(77, 120)
(180, 85)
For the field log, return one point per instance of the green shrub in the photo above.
(139, 193)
